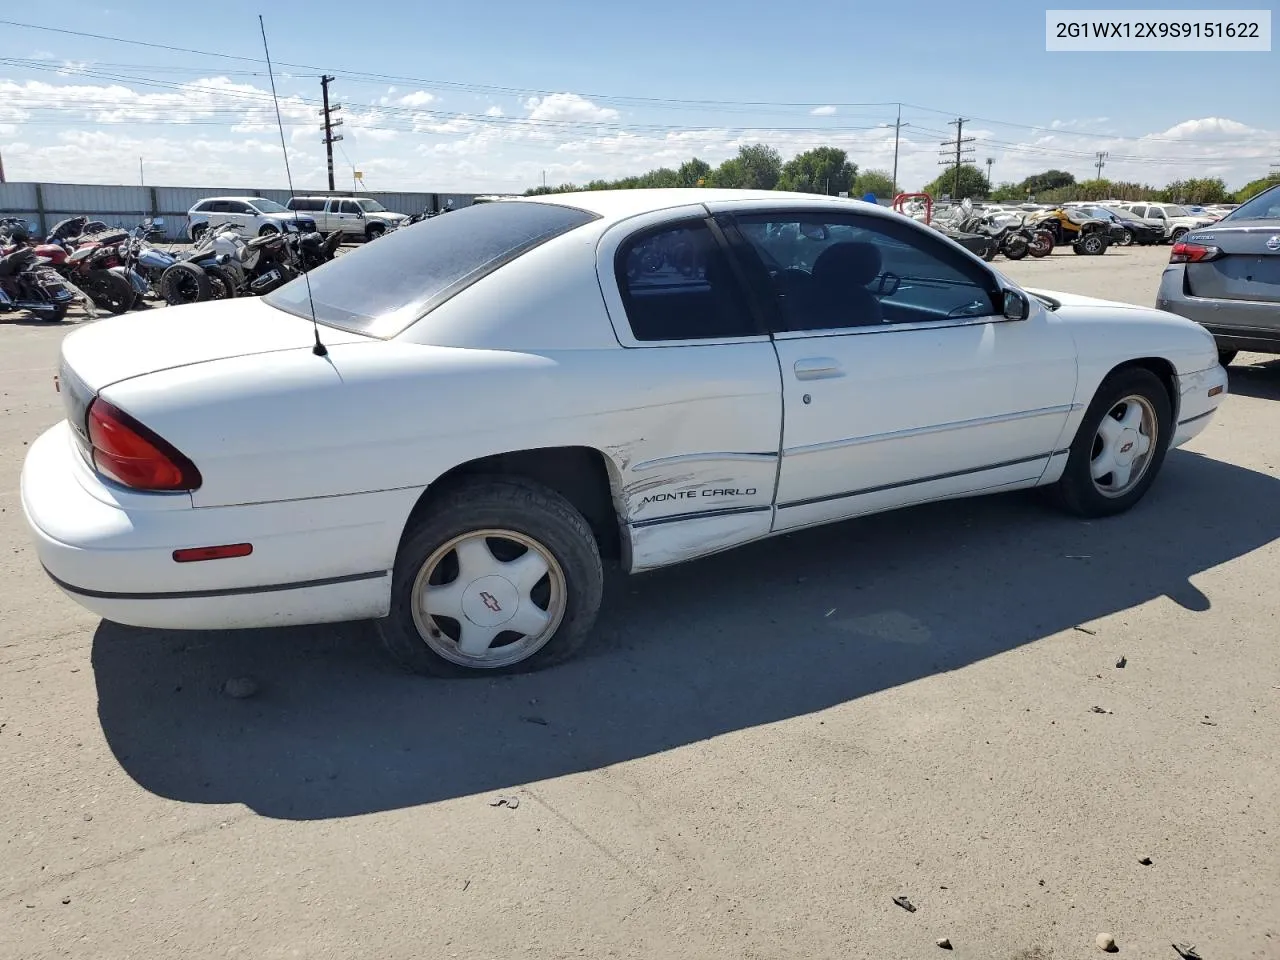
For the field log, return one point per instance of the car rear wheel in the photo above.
(1119, 447)
(198, 230)
(500, 575)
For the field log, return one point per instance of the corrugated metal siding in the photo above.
(124, 206)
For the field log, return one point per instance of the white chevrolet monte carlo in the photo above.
(510, 395)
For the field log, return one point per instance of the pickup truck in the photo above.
(353, 216)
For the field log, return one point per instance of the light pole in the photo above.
(897, 134)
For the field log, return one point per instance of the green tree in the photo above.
(691, 171)
(873, 181)
(973, 184)
(1038, 183)
(1009, 193)
(821, 170)
(1196, 190)
(1255, 187)
(757, 167)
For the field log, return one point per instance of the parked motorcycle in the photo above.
(209, 271)
(29, 284)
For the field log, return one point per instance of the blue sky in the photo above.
(487, 96)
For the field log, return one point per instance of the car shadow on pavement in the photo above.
(1260, 380)
(760, 634)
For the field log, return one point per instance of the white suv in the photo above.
(352, 216)
(1175, 220)
(254, 216)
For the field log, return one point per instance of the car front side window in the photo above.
(836, 271)
(677, 284)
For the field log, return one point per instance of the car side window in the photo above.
(348, 206)
(235, 206)
(677, 284)
(834, 271)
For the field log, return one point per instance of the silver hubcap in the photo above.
(1123, 446)
(489, 598)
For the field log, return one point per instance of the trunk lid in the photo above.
(1248, 269)
(134, 344)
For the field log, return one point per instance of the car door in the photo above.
(699, 467)
(902, 380)
(351, 217)
(241, 215)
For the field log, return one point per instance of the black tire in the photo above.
(268, 230)
(1091, 245)
(1076, 491)
(502, 503)
(198, 230)
(185, 282)
(1041, 243)
(373, 231)
(222, 283)
(990, 250)
(1016, 247)
(1127, 239)
(110, 291)
(1225, 356)
(1178, 234)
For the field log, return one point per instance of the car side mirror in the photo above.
(1016, 305)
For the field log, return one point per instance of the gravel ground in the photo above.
(758, 753)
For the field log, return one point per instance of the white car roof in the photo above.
(614, 205)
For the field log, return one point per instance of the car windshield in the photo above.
(1265, 206)
(371, 206)
(383, 288)
(1173, 210)
(1120, 213)
(267, 206)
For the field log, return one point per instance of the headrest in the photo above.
(848, 262)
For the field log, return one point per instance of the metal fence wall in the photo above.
(124, 206)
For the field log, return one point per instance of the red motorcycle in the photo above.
(94, 263)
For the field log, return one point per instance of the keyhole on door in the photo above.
(806, 398)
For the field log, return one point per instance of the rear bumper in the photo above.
(110, 550)
(1196, 405)
(1239, 324)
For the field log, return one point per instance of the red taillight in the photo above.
(194, 554)
(135, 456)
(1184, 252)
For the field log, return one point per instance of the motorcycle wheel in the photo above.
(990, 251)
(1041, 243)
(222, 284)
(1015, 248)
(111, 292)
(185, 283)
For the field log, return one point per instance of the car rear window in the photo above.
(385, 286)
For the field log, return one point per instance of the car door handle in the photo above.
(818, 368)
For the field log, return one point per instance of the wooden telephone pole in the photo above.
(329, 123)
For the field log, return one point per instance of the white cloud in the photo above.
(215, 131)
(419, 98)
(827, 111)
(567, 106)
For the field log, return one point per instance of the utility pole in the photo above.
(1, 168)
(897, 133)
(1102, 161)
(961, 151)
(329, 123)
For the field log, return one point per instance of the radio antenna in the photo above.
(319, 349)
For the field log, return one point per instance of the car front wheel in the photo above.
(1119, 447)
(500, 575)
